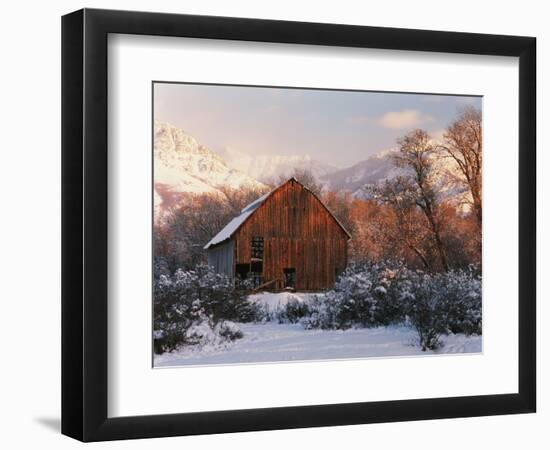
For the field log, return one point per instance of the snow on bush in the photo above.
(200, 307)
(202, 333)
(361, 296)
(442, 303)
(463, 297)
(380, 294)
(293, 311)
(195, 307)
(283, 307)
(229, 330)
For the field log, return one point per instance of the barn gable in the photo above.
(237, 222)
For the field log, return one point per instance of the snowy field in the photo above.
(274, 342)
(290, 342)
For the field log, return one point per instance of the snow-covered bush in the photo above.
(229, 330)
(424, 306)
(361, 296)
(379, 294)
(189, 305)
(436, 304)
(464, 302)
(323, 311)
(292, 311)
(202, 333)
(281, 307)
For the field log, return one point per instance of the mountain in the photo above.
(381, 167)
(184, 166)
(369, 171)
(269, 168)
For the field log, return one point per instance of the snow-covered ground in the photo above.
(271, 342)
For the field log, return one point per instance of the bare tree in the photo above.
(192, 225)
(237, 199)
(180, 238)
(463, 144)
(340, 205)
(307, 178)
(398, 194)
(416, 152)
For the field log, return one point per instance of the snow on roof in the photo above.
(229, 229)
(254, 205)
(236, 222)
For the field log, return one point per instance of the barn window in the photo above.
(256, 260)
(258, 248)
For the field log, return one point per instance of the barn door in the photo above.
(241, 274)
(289, 278)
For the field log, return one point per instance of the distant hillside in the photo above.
(382, 167)
(369, 171)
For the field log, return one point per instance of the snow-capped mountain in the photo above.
(269, 168)
(369, 171)
(382, 167)
(183, 165)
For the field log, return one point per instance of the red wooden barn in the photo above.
(286, 239)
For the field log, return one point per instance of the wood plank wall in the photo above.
(298, 232)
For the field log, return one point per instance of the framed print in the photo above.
(273, 224)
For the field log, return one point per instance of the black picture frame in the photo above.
(84, 224)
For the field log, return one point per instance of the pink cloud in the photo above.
(408, 118)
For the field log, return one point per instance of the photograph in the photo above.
(295, 224)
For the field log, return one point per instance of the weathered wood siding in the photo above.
(298, 233)
(221, 258)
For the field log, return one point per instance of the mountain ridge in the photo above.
(269, 168)
(183, 167)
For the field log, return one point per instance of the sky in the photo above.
(336, 127)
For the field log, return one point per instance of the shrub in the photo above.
(322, 311)
(441, 303)
(424, 308)
(362, 296)
(191, 304)
(463, 295)
(229, 330)
(379, 294)
(293, 311)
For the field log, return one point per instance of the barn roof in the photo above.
(235, 223)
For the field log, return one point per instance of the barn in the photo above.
(286, 239)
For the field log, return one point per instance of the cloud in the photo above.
(408, 118)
